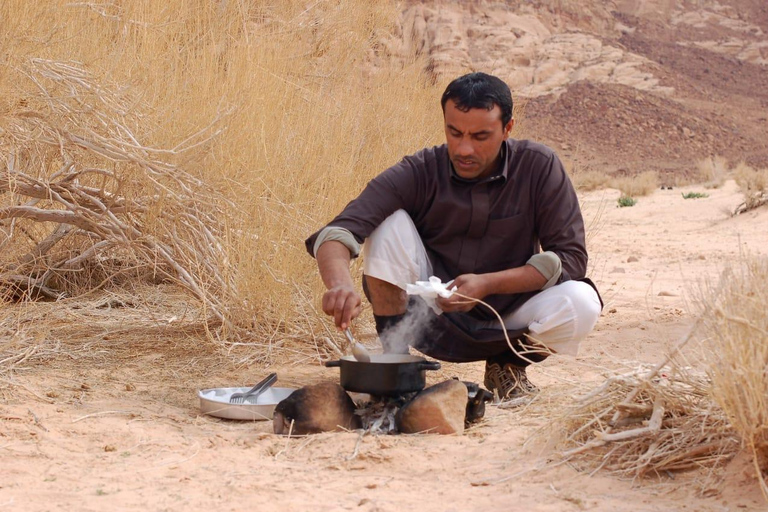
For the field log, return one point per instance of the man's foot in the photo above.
(508, 381)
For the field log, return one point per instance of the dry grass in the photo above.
(696, 408)
(582, 175)
(753, 184)
(636, 186)
(586, 181)
(712, 172)
(265, 119)
(736, 328)
(645, 421)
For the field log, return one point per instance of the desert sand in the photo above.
(108, 429)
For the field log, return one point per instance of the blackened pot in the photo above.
(385, 375)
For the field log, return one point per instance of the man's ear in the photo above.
(508, 128)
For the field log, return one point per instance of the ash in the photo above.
(378, 414)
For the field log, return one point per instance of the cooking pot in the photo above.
(385, 375)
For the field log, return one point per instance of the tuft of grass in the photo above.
(626, 201)
(753, 184)
(736, 334)
(587, 181)
(712, 171)
(694, 195)
(637, 186)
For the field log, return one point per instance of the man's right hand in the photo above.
(343, 304)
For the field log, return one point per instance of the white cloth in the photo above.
(560, 317)
(431, 290)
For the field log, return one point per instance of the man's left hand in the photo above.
(470, 285)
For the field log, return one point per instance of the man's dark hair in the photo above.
(479, 90)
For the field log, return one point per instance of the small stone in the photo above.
(313, 409)
(666, 294)
(130, 387)
(110, 448)
(439, 409)
(632, 259)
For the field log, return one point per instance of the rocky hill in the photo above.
(622, 86)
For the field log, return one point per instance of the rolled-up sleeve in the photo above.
(548, 265)
(394, 189)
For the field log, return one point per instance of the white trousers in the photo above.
(560, 317)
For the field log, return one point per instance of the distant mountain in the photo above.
(623, 86)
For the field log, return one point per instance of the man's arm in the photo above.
(399, 187)
(514, 280)
(341, 300)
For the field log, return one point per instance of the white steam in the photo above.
(410, 330)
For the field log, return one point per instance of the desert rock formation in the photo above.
(624, 86)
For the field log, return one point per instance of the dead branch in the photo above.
(173, 223)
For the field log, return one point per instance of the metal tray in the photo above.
(215, 402)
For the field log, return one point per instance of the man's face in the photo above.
(474, 139)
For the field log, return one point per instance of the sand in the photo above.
(101, 429)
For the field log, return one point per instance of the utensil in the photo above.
(358, 350)
(385, 374)
(215, 402)
(255, 391)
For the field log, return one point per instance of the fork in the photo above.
(255, 391)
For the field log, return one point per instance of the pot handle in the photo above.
(333, 364)
(429, 365)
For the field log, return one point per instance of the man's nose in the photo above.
(465, 147)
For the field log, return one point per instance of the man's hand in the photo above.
(341, 301)
(478, 286)
(343, 304)
(470, 285)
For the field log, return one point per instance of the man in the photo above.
(477, 211)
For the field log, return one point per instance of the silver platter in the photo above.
(215, 402)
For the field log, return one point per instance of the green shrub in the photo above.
(627, 201)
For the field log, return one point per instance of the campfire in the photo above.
(389, 396)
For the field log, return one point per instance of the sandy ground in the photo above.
(122, 431)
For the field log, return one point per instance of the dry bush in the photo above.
(583, 177)
(712, 171)
(753, 184)
(645, 422)
(736, 333)
(681, 415)
(85, 204)
(636, 186)
(269, 114)
(587, 181)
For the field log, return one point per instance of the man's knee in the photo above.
(391, 230)
(394, 252)
(580, 308)
(584, 300)
(564, 315)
